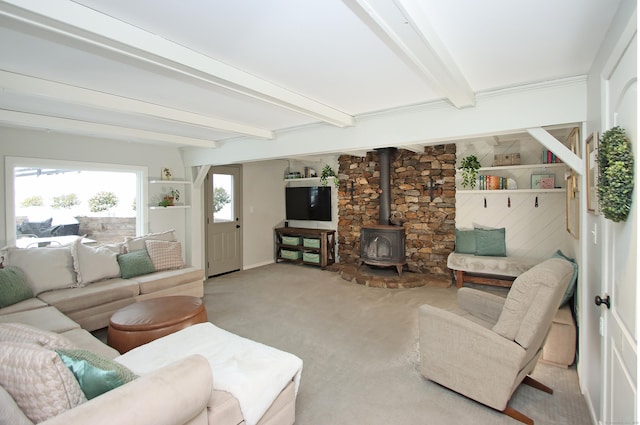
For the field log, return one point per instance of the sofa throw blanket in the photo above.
(253, 372)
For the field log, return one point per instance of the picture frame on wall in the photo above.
(591, 173)
(542, 181)
(573, 201)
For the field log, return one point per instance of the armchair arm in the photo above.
(175, 394)
(467, 357)
(481, 304)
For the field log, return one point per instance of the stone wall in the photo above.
(429, 224)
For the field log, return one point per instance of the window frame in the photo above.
(11, 163)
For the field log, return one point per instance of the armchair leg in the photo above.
(517, 415)
(537, 385)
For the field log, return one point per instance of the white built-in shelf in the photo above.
(169, 182)
(496, 192)
(306, 179)
(158, 207)
(523, 167)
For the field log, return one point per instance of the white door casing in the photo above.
(223, 228)
(619, 348)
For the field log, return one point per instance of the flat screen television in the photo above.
(308, 203)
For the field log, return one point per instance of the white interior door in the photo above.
(224, 221)
(620, 275)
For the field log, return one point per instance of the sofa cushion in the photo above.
(135, 263)
(168, 279)
(138, 243)
(92, 264)
(81, 338)
(165, 255)
(38, 380)
(47, 318)
(13, 287)
(28, 304)
(95, 374)
(99, 293)
(45, 269)
(19, 332)
(11, 414)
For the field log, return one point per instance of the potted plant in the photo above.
(327, 172)
(469, 167)
(169, 199)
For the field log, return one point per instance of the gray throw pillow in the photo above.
(135, 263)
(13, 287)
(490, 242)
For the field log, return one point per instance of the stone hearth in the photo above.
(376, 277)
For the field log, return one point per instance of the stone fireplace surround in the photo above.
(429, 224)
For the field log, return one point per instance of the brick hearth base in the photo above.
(387, 277)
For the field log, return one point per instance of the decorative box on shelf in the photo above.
(311, 243)
(311, 257)
(501, 159)
(291, 240)
(290, 255)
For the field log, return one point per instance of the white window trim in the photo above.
(11, 163)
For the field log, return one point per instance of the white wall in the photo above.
(263, 210)
(45, 145)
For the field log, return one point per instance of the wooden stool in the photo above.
(142, 322)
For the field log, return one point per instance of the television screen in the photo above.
(308, 203)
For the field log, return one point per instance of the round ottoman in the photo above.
(144, 321)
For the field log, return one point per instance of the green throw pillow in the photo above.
(135, 263)
(465, 241)
(490, 242)
(96, 375)
(572, 285)
(13, 287)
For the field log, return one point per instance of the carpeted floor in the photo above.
(360, 350)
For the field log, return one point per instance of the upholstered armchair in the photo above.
(488, 346)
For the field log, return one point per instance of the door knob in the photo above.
(606, 301)
(237, 226)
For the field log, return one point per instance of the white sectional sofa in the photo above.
(89, 283)
(73, 290)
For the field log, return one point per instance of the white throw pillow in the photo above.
(19, 332)
(165, 255)
(93, 264)
(138, 243)
(44, 268)
(38, 380)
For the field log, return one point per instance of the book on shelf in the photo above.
(549, 157)
(489, 182)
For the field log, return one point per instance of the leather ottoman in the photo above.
(147, 320)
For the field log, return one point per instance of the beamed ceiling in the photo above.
(204, 73)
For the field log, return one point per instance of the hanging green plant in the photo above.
(327, 172)
(615, 175)
(469, 167)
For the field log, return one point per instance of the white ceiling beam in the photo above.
(413, 148)
(22, 84)
(558, 148)
(90, 26)
(404, 22)
(65, 125)
(202, 174)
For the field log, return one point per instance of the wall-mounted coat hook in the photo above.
(485, 202)
(536, 204)
(508, 201)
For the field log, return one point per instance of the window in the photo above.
(48, 198)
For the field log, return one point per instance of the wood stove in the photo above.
(383, 244)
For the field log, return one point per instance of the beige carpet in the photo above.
(360, 350)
